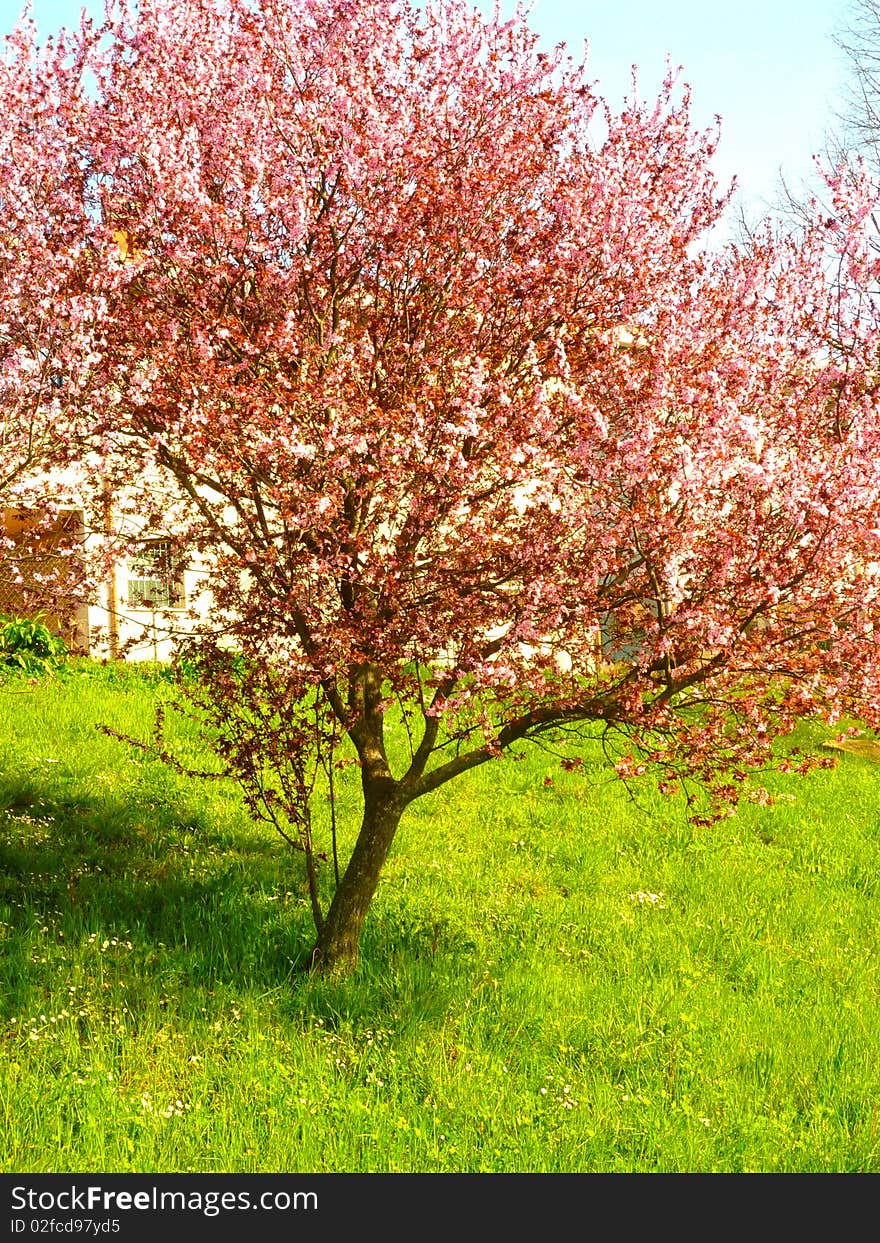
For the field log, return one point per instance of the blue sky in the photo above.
(769, 68)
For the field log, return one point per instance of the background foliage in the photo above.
(29, 646)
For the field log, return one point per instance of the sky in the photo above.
(769, 68)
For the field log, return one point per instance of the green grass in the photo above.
(552, 978)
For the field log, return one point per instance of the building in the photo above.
(106, 606)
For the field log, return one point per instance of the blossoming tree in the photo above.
(42, 232)
(472, 431)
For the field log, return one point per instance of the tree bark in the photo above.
(336, 949)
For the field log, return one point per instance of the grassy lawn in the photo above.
(553, 978)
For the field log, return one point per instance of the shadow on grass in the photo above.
(199, 910)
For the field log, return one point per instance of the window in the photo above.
(155, 577)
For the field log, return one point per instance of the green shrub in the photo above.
(28, 646)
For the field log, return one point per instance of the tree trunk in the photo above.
(336, 949)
